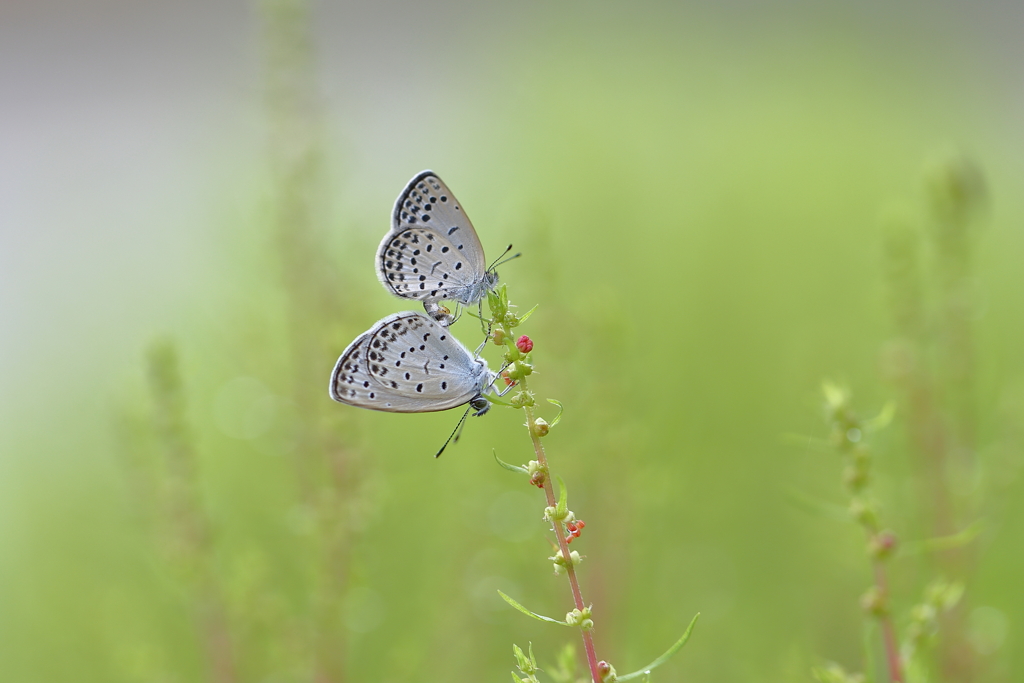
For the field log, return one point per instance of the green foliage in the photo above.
(529, 613)
(665, 657)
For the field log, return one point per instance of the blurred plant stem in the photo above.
(848, 436)
(187, 535)
(326, 476)
(932, 362)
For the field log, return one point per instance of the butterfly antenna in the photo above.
(455, 434)
(498, 261)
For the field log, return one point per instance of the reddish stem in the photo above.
(892, 651)
(563, 544)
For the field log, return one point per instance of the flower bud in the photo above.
(524, 344)
(587, 624)
(874, 603)
(541, 427)
(607, 672)
(863, 511)
(498, 335)
(855, 478)
(523, 398)
(882, 544)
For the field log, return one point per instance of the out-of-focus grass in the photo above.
(700, 223)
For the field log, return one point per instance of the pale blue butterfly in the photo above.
(407, 363)
(432, 253)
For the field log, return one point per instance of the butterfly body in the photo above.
(408, 363)
(432, 253)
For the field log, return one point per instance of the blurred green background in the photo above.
(192, 197)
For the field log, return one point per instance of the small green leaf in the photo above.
(528, 612)
(526, 315)
(882, 420)
(560, 409)
(817, 506)
(563, 500)
(497, 401)
(664, 658)
(510, 468)
(494, 303)
(961, 538)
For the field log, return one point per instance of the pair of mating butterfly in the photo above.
(408, 362)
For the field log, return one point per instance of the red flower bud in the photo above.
(524, 344)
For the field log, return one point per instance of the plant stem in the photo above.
(892, 653)
(563, 544)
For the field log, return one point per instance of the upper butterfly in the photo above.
(406, 363)
(432, 253)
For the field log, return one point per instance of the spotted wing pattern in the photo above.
(432, 252)
(406, 363)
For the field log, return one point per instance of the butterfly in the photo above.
(408, 363)
(432, 253)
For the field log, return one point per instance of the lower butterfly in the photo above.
(407, 363)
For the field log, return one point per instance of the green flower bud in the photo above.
(521, 399)
(874, 602)
(522, 661)
(855, 478)
(863, 511)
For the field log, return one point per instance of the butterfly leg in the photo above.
(440, 314)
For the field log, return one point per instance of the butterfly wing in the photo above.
(406, 363)
(432, 252)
